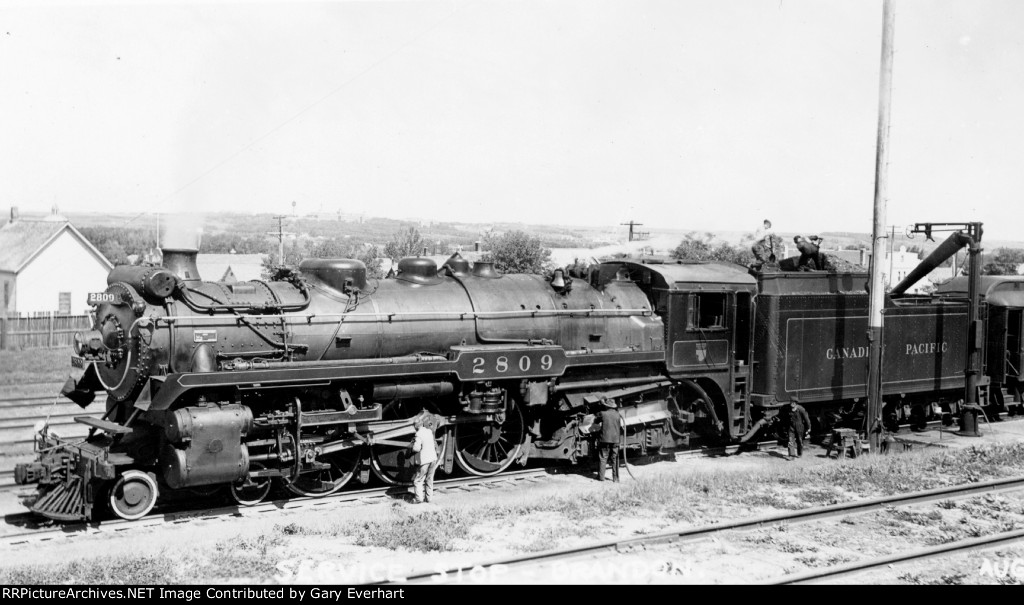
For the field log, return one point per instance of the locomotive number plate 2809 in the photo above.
(96, 298)
(473, 363)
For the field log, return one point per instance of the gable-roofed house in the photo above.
(230, 268)
(47, 266)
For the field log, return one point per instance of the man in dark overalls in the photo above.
(798, 423)
(608, 440)
(810, 253)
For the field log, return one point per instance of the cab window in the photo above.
(707, 311)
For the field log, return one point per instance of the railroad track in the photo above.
(172, 515)
(611, 548)
(831, 573)
(13, 403)
(175, 517)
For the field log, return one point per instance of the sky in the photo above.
(709, 115)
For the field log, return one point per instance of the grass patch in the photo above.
(924, 519)
(824, 561)
(429, 531)
(949, 532)
(550, 537)
(35, 365)
(294, 529)
(820, 495)
(123, 569)
(242, 557)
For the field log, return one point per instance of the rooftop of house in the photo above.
(244, 267)
(22, 239)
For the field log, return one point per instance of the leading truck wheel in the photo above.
(487, 448)
(134, 494)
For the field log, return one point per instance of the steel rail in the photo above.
(914, 555)
(57, 421)
(695, 533)
(33, 402)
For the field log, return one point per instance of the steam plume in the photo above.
(182, 232)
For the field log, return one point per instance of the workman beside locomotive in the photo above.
(798, 426)
(423, 446)
(610, 436)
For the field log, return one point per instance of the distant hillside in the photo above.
(130, 233)
(364, 230)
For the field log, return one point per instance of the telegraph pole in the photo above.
(280, 233)
(873, 425)
(636, 235)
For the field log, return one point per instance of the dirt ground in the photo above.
(344, 543)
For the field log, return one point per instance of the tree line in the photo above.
(511, 252)
(703, 247)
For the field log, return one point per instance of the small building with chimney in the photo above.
(47, 266)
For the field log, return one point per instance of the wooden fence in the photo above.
(40, 330)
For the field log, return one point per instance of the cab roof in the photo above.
(1001, 290)
(679, 275)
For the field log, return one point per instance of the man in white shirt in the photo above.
(764, 246)
(424, 445)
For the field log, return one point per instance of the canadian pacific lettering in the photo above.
(846, 353)
(927, 348)
(913, 348)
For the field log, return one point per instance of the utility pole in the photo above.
(892, 253)
(892, 236)
(873, 425)
(636, 235)
(280, 233)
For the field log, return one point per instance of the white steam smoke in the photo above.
(182, 232)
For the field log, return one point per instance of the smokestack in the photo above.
(182, 263)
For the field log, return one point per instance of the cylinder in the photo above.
(205, 445)
(184, 468)
(186, 424)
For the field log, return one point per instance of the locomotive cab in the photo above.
(707, 310)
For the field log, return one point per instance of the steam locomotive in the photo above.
(314, 377)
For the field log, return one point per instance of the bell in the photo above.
(558, 280)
